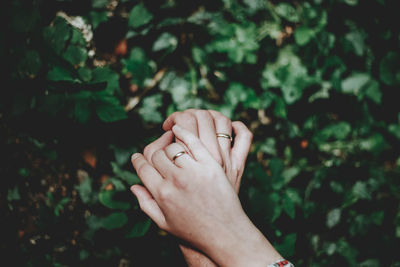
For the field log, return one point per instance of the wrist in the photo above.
(244, 246)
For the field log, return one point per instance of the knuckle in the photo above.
(224, 122)
(142, 170)
(156, 155)
(249, 134)
(147, 150)
(202, 113)
(165, 194)
(186, 118)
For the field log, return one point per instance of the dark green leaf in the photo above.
(165, 41)
(75, 55)
(139, 16)
(333, 218)
(149, 109)
(287, 247)
(139, 229)
(106, 198)
(57, 34)
(114, 220)
(390, 69)
(288, 12)
(109, 109)
(303, 35)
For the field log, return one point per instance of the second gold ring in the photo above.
(224, 136)
(177, 155)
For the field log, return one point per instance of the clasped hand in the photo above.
(193, 196)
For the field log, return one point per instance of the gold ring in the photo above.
(224, 136)
(178, 155)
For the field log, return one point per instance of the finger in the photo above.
(223, 125)
(164, 165)
(158, 144)
(195, 146)
(207, 132)
(173, 149)
(148, 205)
(184, 120)
(146, 172)
(241, 146)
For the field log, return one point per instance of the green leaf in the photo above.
(85, 74)
(395, 130)
(291, 93)
(373, 92)
(269, 146)
(105, 74)
(351, 2)
(333, 218)
(139, 16)
(288, 73)
(57, 34)
(289, 206)
(356, 38)
(99, 3)
(13, 194)
(303, 35)
(370, 263)
(290, 173)
(336, 131)
(287, 12)
(354, 83)
(30, 63)
(138, 65)
(97, 18)
(165, 41)
(139, 229)
(60, 74)
(127, 176)
(114, 220)
(85, 190)
(375, 144)
(149, 109)
(60, 205)
(360, 190)
(77, 38)
(276, 166)
(287, 247)
(106, 198)
(109, 109)
(75, 55)
(237, 93)
(82, 111)
(389, 69)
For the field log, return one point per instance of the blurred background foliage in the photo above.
(89, 82)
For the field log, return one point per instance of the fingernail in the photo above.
(135, 156)
(176, 127)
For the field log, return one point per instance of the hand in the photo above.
(194, 200)
(205, 124)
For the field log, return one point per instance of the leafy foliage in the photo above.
(87, 83)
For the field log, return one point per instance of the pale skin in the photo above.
(205, 124)
(193, 198)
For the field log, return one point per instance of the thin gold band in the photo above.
(224, 136)
(178, 155)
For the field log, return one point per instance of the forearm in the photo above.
(195, 258)
(245, 246)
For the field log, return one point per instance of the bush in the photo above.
(87, 83)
